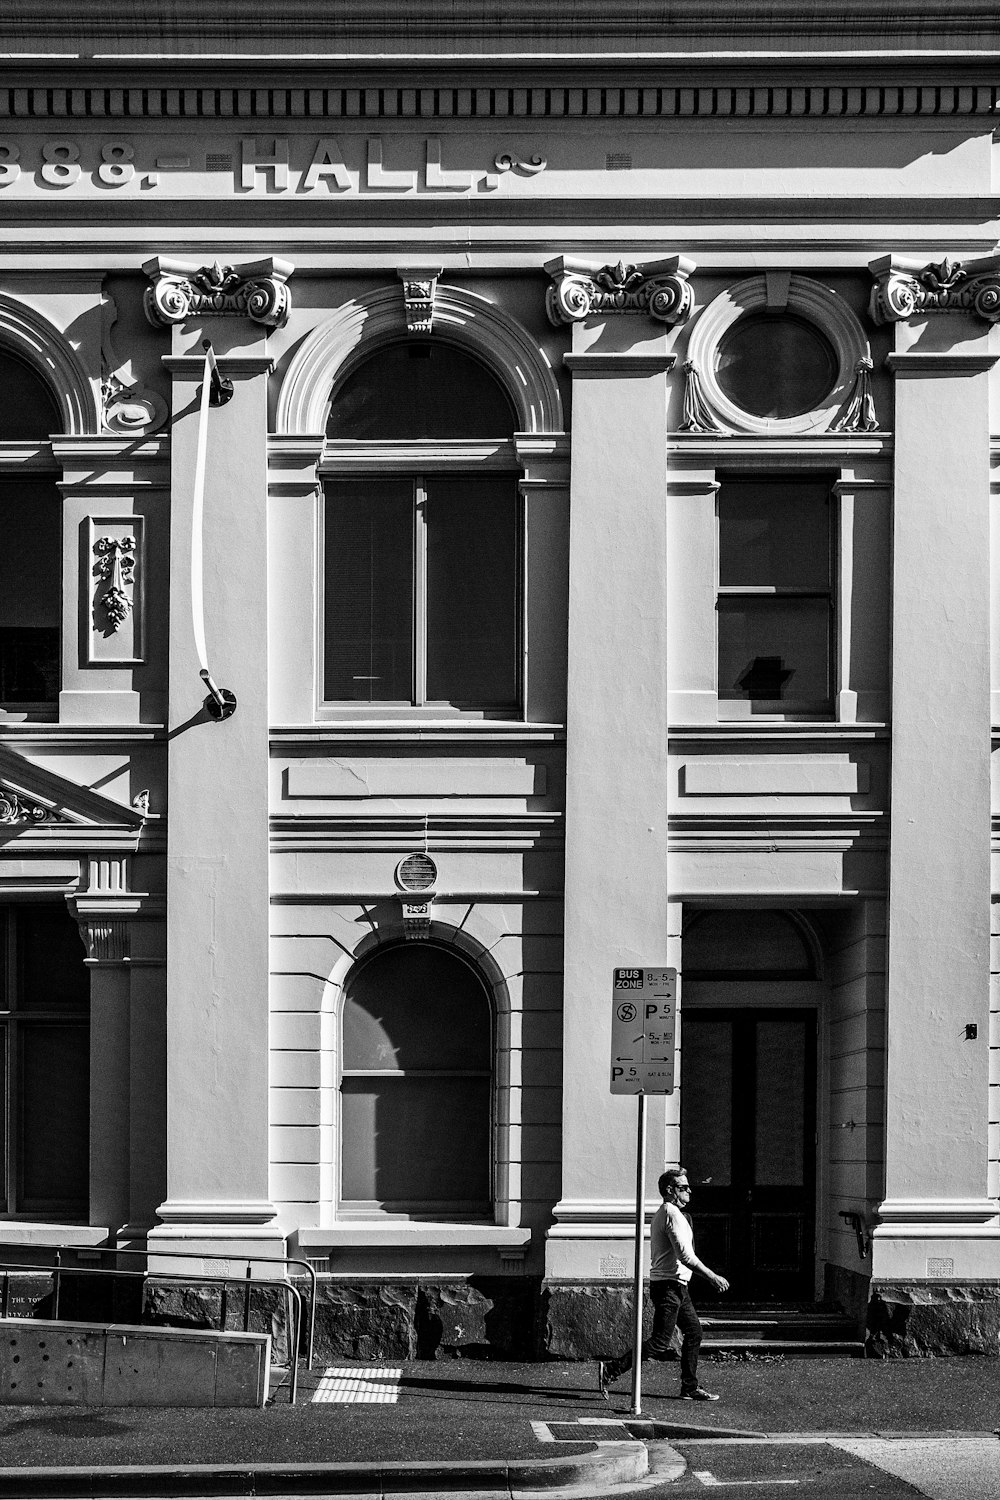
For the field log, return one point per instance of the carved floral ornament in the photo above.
(116, 565)
(16, 808)
(181, 289)
(904, 288)
(580, 289)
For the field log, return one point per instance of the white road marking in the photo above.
(708, 1478)
(350, 1385)
(961, 1468)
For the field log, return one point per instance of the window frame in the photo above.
(415, 1210)
(347, 459)
(744, 709)
(13, 1018)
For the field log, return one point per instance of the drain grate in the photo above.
(351, 1385)
(589, 1432)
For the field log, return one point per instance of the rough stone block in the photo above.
(366, 1321)
(584, 1320)
(915, 1320)
(451, 1319)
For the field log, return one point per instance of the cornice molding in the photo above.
(634, 362)
(948, 362)
(548, 99)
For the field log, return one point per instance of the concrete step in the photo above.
(793, 1348)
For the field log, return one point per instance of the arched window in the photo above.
(416, 1086)
(422, 535)
(31, 558)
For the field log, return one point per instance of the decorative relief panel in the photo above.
(182, 289)
(581, 290)
(115, 560)
(904, 288)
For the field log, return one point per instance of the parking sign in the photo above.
(643, 1030)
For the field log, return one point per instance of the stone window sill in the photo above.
(404, 1234)
(52, 1236)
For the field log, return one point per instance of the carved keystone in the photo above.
(419, 287)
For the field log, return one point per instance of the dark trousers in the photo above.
(672, 1308)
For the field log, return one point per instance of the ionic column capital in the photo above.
(582, 289)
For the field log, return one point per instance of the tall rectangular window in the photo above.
(422, 597)
(45, 1079)
(775, 605)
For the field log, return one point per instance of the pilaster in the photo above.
(616, 808)
(217, 867)
(936, 1220)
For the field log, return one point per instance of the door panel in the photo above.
(748, 1087)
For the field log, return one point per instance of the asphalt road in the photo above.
(962, 1468)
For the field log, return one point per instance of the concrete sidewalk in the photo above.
(468, 1425)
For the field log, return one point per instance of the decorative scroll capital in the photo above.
(181, 289)
(419, 287)
(580, 289)
(904, 288)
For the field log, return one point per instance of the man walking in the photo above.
(672, 1262)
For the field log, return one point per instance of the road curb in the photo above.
(617, 1463)
(642, 1427)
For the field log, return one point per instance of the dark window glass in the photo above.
(774, 533)
(416, 1141)
(28, 412)
(53, 1118)
(774, 649)
(30, 590)
(51, 956)
(775, 607)
(416, 1090)
(776, 365)
(45, 1048)
(421, 601)
(746, 945)
(472, 591)
(368, 652)
(416, 1008)
(420, 390)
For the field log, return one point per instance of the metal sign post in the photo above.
(643, 1041)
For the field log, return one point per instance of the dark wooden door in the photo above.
(748, 1131)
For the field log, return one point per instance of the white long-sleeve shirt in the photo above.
(671, 1244)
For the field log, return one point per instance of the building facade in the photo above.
(579, 557)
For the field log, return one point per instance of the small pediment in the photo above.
(34, 797)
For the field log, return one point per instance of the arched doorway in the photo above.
(748, 1099)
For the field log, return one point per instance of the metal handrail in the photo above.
(264, 1260)
(57, 1271)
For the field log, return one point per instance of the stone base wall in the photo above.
(909, 1320)
(512, 1317)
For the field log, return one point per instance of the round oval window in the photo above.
(773, 365)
